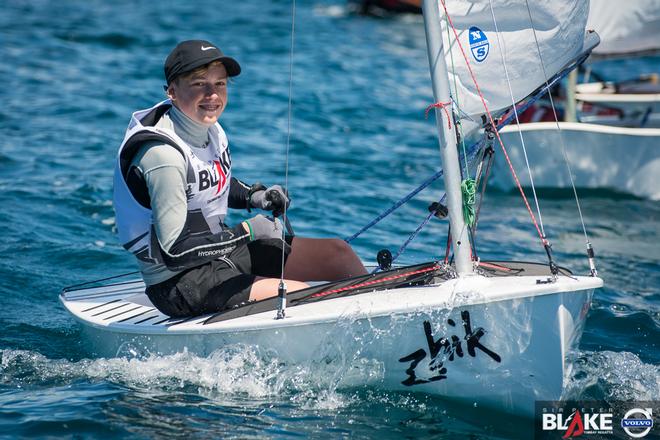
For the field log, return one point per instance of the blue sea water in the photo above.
(71, 74)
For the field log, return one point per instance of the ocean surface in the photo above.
(72, 72)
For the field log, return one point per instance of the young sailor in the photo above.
(173, 185)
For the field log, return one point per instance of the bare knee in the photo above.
(346, 262)
(339, 248)
(322, 259)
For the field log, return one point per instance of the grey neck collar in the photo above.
(192, 132)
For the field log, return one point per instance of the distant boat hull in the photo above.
(616, 158)
(495, 341)
(633, 104)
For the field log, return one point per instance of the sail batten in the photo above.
(559, 27)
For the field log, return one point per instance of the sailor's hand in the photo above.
(262, 228)
(275, 199)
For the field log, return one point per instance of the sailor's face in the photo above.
(202, 96)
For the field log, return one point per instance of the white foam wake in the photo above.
(613, 376)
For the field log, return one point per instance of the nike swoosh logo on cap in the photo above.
(207, 48)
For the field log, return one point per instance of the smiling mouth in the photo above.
(210, 107)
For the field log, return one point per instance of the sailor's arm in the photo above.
(181, 245)
(239, 193)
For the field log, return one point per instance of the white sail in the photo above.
(625, 28)
(559, 27)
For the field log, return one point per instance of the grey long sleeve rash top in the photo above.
(164, 171)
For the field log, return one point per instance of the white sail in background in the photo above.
(625, 28)
(560, 30)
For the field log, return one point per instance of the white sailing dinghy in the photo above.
(619, 159)
(629, 31)
(495, 334)
(616, 143)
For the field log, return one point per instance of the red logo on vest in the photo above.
(212, 177)
(222, 176)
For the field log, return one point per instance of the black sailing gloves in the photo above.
(275, 198)
(262, 228)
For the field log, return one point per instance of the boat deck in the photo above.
(125, 303)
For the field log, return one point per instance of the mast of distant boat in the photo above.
(446, 137)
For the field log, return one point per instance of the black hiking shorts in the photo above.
(219, 284)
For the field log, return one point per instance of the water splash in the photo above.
(613, 376)
(233, 372)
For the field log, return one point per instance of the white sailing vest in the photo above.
(207, 191)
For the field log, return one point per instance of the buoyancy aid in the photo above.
(208, 177)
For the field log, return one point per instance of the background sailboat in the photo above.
(434, 328)
(629, 32)
(610, 133)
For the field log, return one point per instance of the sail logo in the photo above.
(479, 45)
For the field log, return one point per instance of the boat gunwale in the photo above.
(265, 320)
(582, 127)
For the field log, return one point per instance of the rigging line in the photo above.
(67, 288)
(479, 180)
(461, 114)
(561, 137)
(288, 128)
(515, 112)
(453, 72)
(488, 151)
(472, 150)
(544, 241)
(442, 105)
(396, 205)
(372, 282)
(416, 232)
(448, 246)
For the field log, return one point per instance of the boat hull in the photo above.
(473, 340)
(601, 157)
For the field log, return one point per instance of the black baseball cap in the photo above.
(191, 54)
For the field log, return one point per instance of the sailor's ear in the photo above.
(170, 92)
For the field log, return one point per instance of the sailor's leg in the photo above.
(263, 288)
(322, 259)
